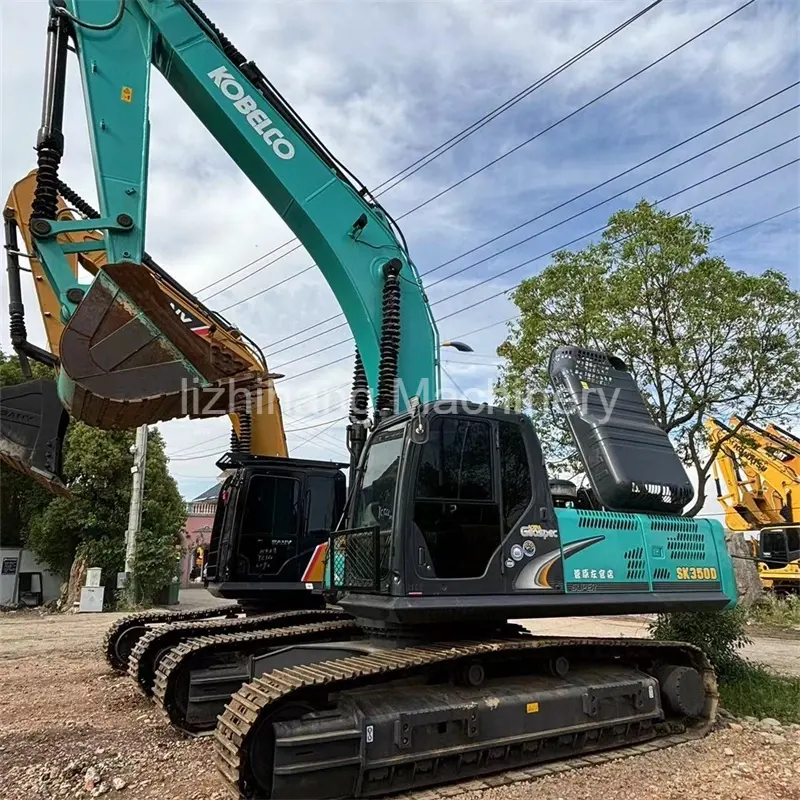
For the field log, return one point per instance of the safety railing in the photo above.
(358, 559)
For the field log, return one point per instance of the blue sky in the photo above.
(383, 82)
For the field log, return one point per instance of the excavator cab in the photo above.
(271, 526)
(779, 545)
(453, 515)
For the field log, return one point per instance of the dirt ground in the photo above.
(63, 713)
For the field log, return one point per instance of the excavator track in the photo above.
(121, 637)
(248, 735)
(154, 644)
(171, 687)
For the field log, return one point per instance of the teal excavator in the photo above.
(451, 524)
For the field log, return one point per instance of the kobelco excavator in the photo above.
(450, 527)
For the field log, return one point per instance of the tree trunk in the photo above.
(748, 584)
(77, 579)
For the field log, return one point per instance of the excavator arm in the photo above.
(741, 490)
(36, 449)
(125, 356)
(773, 461)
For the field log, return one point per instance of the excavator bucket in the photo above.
(127, 359)
(33, 424)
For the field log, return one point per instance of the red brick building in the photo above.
(197, 533)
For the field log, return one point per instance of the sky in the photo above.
(382, 83)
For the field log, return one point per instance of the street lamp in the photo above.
(460, 346)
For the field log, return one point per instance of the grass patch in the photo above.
(754, 691)
(776, 612)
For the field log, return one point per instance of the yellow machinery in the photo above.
(258, 430)
(757, 476)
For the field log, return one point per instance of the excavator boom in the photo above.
(126, 358)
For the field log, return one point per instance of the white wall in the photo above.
(26, 562)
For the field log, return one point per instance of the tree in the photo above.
(701, 338)
(21, 498)
(91, 523)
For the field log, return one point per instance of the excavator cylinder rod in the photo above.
(32, 428)
(402, 719)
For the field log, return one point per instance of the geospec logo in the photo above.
(257, 118)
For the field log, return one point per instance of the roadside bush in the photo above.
(780, 612)
(718, 633)
(155, 565)
(755, 691)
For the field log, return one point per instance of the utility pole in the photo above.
(139, 451)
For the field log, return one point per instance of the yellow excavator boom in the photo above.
(259, 429)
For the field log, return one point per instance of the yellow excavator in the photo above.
(270, 568)
(258, 431)
(757, 477)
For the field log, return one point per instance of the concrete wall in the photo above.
(24, 561)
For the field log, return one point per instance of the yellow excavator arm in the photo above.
(777, 461)
(740, 488)
(259, 430)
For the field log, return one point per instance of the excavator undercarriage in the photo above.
(367, 721)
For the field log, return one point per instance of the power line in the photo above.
(614, 197)
(330, 425)
(516, 316)
(494, 277)
(450, 143)
(643, 163)
(269, 288)
(754, 224)
(572, 199)
(562, 247)
(503, 107)
(191, 456)
(248, 264)
(598, 230)
(302, 402)
(576, 111)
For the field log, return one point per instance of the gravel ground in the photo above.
(70, 728)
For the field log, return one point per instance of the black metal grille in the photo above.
(661, 574)
(606, 519)
(685, 546)
(635, 558)
(358, 559)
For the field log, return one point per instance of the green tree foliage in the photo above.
(91, 523)
(21, 498)
(701, 338)
(719, 634)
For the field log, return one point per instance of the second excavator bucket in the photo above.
(127, 360)
(33, 424)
